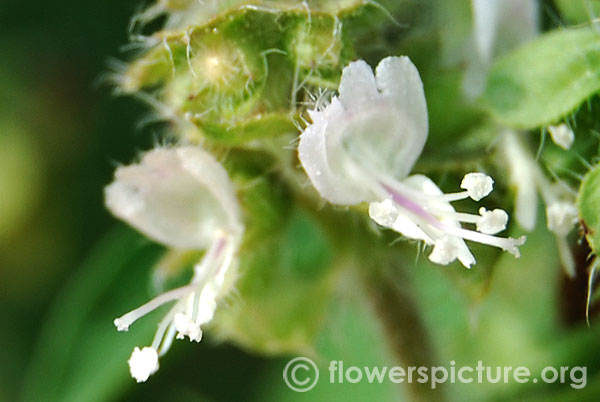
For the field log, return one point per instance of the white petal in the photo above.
(518, 23)
(486, 14)
(498, 26)
(522, 176)
(399, 79)
(450, 248)
(408, 228)
(207, 303)
(178, 197)
(318, 148)
(357, 86)
(492, 222)
(479, 185)
(207, 170)
(143, 363)
(424, 184)
(365, 134)
(562, 135)
(383, 213)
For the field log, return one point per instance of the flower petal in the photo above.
(177, 196)
(357, 85)
(400, 82)
(321, 156)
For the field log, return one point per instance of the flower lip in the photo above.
(377, 124)
(177, 196)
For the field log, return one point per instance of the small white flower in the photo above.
(143, 363)
(561, 217)
(524, 176)
(562, 135)
(498, 26)
(528, 178)
(183, 198)
(362, 146)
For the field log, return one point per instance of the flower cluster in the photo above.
(362, 146)
(180, 197)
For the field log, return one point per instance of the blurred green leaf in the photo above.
(80, 355)
(282, 288)
(578, 11)
(546, 79)
(588, 202)
(351, 333)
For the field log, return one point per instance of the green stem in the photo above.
(406, 334)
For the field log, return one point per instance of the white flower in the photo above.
(524, 175)
(529, 179)
(143, 363)
(562, 135)
(176, 196)
(362, 146)
(498, 26)
(183, 198)
(561, 217)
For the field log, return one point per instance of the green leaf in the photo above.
(80, 355)
(588, 203)
(578, 11)
(546, 79)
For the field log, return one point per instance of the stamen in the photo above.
(164, 326)
(186, 327)
(122, 323)
(505, 243)
(478, 185)
(167, 340)
(492, 222)
(457, 216)
(143, 363)
(413, 193)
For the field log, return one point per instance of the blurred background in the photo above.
(62, 132)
